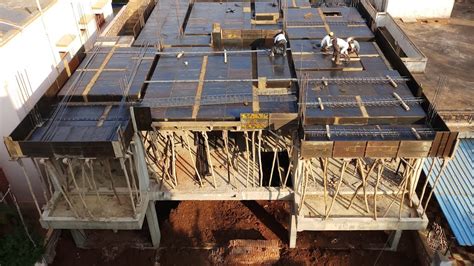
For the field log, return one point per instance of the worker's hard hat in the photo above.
(331, 34)
(350, 39)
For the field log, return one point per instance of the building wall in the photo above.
(32, 55)
(417, 8)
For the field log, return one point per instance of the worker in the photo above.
(340, 47)
(279, 44)
(326, 41)
(354, 46)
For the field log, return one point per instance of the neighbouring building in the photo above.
(40, 45)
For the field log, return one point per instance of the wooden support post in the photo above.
(379, 175)
(225, 135)
(109, 172)
(132, 201)
(408, 175)
(191, 156)
(273, 167)
(209, 159)
(426, 181)
(343, 170)
(89, 163)
(304, 174)
(280, 175)
(71, 171)
(260, 156)
(325, 181)
(254, 160)
(247, 155)
(362, 173)
(364, 183)
(173, 159)
(49, 168)
(290, 165)
(132, 175)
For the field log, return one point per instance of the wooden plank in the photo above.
(435, 144)
(323, 17)
(414, 148)
(382, 149)
(450, 144)
(312, 149)
(363, 110)
(349, 149)
(202, 75)
(442, 144)
(97, 74)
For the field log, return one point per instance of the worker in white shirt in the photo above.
(326, 41)
(279, 44)
(340, 47)
(354, 46)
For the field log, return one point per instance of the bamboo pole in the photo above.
(192, 159)
(343, 169)
(209, 159)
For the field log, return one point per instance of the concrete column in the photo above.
(395, 240)
(292, 231)
(153, 226)
(79, 236)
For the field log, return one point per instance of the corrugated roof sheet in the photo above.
(455, 190)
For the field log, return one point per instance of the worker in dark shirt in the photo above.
(336, 55)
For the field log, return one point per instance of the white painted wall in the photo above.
(33, 55)
(417, 8)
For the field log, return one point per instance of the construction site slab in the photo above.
(109, 74)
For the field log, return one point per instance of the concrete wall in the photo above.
(32, 55)
(416, 8)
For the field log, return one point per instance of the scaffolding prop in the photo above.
(398, 186)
